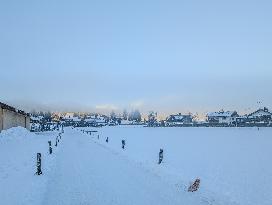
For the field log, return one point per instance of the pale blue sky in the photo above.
(168, 56)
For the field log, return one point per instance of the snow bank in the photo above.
(15, 133)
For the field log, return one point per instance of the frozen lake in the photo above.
(233, 164)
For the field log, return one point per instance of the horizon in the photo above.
(176, 57)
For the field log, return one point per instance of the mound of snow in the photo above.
(15, 133)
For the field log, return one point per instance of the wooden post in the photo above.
(107, 140)
(56, 142)
(123, 144)
(39, 164)
(160, 156)
(97, 136)
(50, 148)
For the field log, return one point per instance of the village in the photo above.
(260, 118)
(46, 121)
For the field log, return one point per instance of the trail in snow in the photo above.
(87, 173)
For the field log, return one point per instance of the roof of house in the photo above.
(38, 118)
(75, 119)
(178, 117)
(221, 114)
(99, 119)
(264, 110)
(7, 107)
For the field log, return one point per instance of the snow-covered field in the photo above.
(232, 163)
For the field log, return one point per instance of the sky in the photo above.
(167, 56)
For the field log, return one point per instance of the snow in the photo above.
(99, 120)
(232, 163)
(75, 119)
(259, 113)
(89, 173)
(178, 117)
(95, 120)
(220, 114)
(18, 150)
(126, 122)
(38, 118)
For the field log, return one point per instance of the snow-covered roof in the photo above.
(221, 114)
(38, 118)
(260, 112)
(75, 119)
(7, 107)
(178, 117)
(99, 119)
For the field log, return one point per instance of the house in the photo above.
(69, 120)
(96, 120)
(36, 123)
(222, 117)
(179, 119)
(11, 117)
(241, 120)
(36, 119)
(260, 115)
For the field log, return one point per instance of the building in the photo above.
(11, 117)
(96, 120)
(222, 117)
(36, 123)
(179, 119)
(260, 115)
(70, 120)
(241, 120)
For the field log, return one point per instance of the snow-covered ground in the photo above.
(18, 152)
(91, 174)
(232, 163)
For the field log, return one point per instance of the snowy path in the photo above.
(87, 173)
